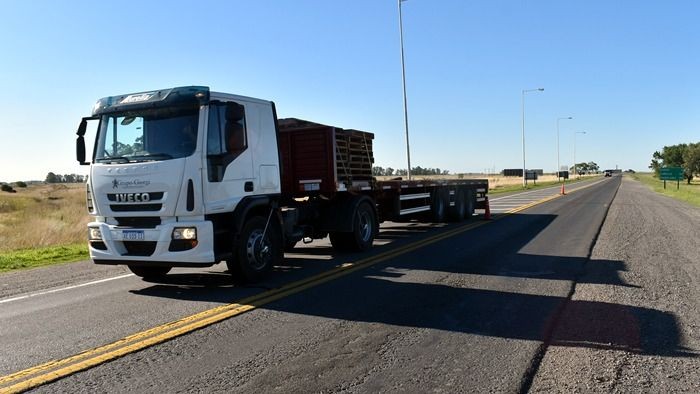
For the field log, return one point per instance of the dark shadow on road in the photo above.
(434, 287)
(509, 315)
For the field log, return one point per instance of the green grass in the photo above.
(30, 258)
(688, 193)
(530, 186)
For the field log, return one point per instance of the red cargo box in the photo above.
(321, 159)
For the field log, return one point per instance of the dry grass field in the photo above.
(43, 215)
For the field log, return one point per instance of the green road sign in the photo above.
(671, 174)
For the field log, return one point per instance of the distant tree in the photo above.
(580, 168)
(691, 158)
(52, 178)
(656, 162)
(7, 188)
(68, 178)
(675, 156)
(389, 171)
(20, 184)
(377, 171)
(593, 167)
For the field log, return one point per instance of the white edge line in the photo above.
(63, 288)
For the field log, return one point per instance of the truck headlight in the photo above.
(185, 233)
(94, 234)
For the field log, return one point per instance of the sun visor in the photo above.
(174, 97)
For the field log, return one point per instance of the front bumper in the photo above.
(154, 247)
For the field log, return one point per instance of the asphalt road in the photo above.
(555, 298)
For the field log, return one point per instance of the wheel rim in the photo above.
(258, 250)
(365, 226)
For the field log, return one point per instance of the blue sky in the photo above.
(627, 71)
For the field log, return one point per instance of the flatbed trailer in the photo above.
(335, 164)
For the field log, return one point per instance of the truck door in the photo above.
(229, 162)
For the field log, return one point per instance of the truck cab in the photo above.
(173, 175)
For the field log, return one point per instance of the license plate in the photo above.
(133, 235)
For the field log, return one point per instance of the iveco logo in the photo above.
(133, 197)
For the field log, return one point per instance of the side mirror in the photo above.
(80, 150)
(80, 141)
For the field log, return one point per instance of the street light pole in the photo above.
(576, 132)
(558, 164)
(523, 126)
(403, 79)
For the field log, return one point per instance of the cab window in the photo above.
(226, 137)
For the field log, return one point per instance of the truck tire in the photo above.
(439, 202)
(364, 230)
(254, 256)
(470, 200)
(149, 272)
(458, 212)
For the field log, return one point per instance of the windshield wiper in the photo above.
(112, 159)
(152, 156)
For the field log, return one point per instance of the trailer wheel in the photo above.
(149, 272)
(440, 200)
(470, 203)
(255, 254)
(459, 210)
(364, 229)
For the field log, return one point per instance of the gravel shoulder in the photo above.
(645, 330)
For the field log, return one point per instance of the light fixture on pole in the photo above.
(576, 132)
(523, 127)
(558, 164)
(403, 79)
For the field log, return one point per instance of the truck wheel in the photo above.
(149, 272)
(364, 229)
(459, 210)
(470, 203)
(438, 205)
(255, 255)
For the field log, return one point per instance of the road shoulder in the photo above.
(646, 331)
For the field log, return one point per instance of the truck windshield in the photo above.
(147, 135)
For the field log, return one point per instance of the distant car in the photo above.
(608, 173)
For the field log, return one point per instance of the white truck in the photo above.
(187, 177)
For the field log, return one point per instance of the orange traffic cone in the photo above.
(563, 192)
(487, 214)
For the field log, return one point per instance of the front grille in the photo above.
(140, 248)
(135, 207)
(138, 222)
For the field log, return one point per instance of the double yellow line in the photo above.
(57, 369)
